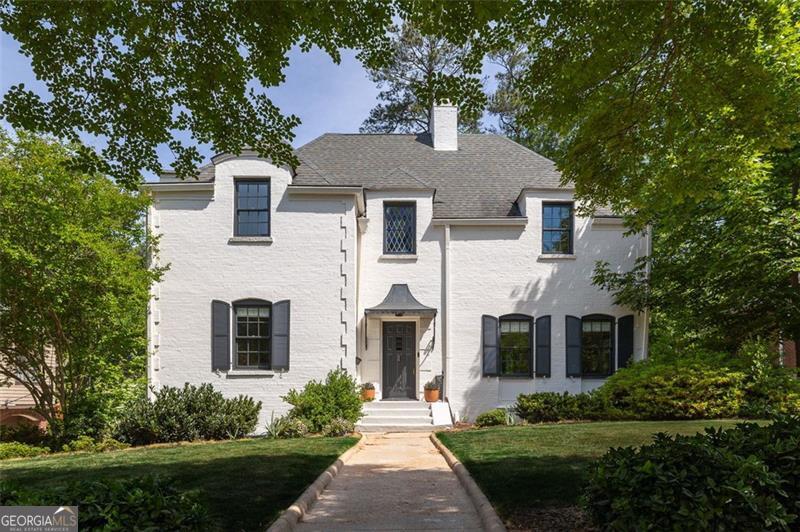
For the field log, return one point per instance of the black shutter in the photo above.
(220, 336)
(280, 335)
(625, 341)
(573, 342)
(490, 332)
(543, 346)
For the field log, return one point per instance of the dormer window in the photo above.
(252, 207)
(399, 228)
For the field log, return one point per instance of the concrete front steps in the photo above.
(397, 416)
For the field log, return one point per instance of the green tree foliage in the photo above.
(672, 112)
(137, 73)
(723, 268)
(74, 285)
(507, 104)
(420, 69)
(661, 101)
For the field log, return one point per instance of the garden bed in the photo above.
(534, 474)
(244, 484)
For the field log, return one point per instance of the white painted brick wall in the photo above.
(497, 271)
(307, 263)
(423, 276)
(312, 262)
(444, 127)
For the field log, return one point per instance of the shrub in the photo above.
(680, 389)
(321, 402)
(492, 418)
(187, 414)
(745, 478)
(29, 433)
(16, 449)
(143, 503)
(768, 390)
(338, 427)
(286, 427)
(546, 407)
(88, 445)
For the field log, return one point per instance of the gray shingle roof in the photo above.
(480, 180)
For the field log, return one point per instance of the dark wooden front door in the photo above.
(399, 360)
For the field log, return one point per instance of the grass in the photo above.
(245, 484)
(539, 466)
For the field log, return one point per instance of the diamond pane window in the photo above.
(557, 228)
(253, 336)
(252, 208)
(399, 228)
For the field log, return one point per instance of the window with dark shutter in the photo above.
(557, 228)
(625, 341)
(516, 345)
(573, 343)
(490, 334)
(543, 346)
(399, 228)
(253, 332)
(252, 208)
(220, 336)
(281, 315)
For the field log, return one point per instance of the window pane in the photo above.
(399, 226)
(252, 214)
(515, 347)
(253, 336)
(557, 229)
(596, 347)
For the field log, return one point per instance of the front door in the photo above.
(399, 360)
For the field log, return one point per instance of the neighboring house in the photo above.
(787, 351)
(401, 258)
(16, 406)
(16, 402)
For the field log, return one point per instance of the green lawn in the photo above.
(245, 484)
(531, 467)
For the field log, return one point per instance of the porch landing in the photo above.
(399, 416)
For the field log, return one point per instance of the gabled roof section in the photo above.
(482, 179)
(400, 178)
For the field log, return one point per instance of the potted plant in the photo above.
(432, 391)
(367, 391)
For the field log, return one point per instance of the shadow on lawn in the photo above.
(240, 492)
(520, 483)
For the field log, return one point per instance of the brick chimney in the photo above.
(444, 127)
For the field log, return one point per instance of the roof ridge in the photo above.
(520, 146)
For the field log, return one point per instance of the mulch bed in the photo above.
(563, 519)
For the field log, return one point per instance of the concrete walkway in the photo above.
(396, 482)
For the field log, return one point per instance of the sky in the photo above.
(328, 98)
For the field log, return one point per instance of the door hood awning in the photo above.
(400, 302)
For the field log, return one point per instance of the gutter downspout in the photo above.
(446, 314)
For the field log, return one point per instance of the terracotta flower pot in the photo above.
(432, 396)
(367, 395)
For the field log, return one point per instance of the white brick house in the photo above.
(278, 275)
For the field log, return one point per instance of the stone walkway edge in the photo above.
(289, 518)
(489, 518)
